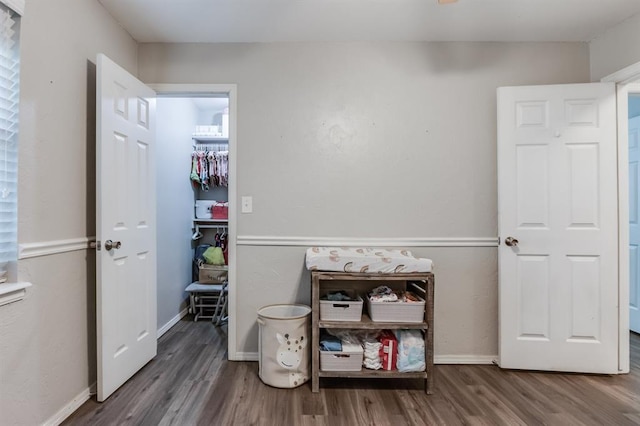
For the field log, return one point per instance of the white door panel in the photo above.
(634, 225)
(126, 275)
(557, 185)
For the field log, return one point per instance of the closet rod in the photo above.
(197, 234)
(211, 147)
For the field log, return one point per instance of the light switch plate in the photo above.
(247, 204)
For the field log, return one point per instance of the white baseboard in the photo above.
(84, 396)
(465, 359)
(245, 356)
(173, 321)
(70, 408)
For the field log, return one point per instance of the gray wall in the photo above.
(385, 140)
(617, 48)
(342, 140)
(47, 341)
(176, 118)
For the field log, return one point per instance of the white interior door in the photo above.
(634, 224)
(126, 271)
(557, 186)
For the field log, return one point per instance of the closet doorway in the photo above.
(190, 118)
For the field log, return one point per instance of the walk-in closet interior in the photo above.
(192, 206)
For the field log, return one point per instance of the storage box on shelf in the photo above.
(421, 283)
(396, 311)
(212, 274)
(220, 210)
(203, 208)
(342, 310)
(349, 359)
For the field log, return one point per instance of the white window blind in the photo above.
(9, 100)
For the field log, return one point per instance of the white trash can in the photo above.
(284, 332)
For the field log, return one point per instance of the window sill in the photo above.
(13, 292)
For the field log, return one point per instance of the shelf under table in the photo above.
(423, 283)
(374, 374)
(365, 323)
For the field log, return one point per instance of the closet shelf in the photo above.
(210, 220)
(366, 324)
(374, 374)
(203, 138)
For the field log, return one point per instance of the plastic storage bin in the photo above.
(349, 359)
(343, 310)
(396, 311)
(203, 209)
(283, 335)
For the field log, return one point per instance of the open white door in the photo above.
(126, 226)
(558, 257)
(634, 224)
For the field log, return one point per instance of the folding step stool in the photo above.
(208, 301)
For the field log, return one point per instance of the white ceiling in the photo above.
(213, 104)
(198, 21)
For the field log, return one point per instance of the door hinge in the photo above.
(95, 245)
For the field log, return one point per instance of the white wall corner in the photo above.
(173, 321)
(70, 408)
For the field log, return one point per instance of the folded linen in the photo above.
(329, 342)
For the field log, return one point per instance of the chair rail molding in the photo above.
(46, 248)
(270, 240)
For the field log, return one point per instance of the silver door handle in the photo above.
(511, 242)
(108, 245)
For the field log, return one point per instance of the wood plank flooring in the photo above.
(191, 383)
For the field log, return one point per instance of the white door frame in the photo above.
(634, 89)
(231, 90)
(624, 80)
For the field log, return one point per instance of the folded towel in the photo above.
(329, 342)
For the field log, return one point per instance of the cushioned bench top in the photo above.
(203, 288)
(369, 260)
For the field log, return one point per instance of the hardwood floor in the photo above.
(191, 383)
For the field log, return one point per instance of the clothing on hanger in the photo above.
(209, 168)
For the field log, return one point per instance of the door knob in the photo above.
(511, 242)
(108, 245)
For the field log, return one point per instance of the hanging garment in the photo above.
(210, 168)
(204, 171)
(194, 168)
